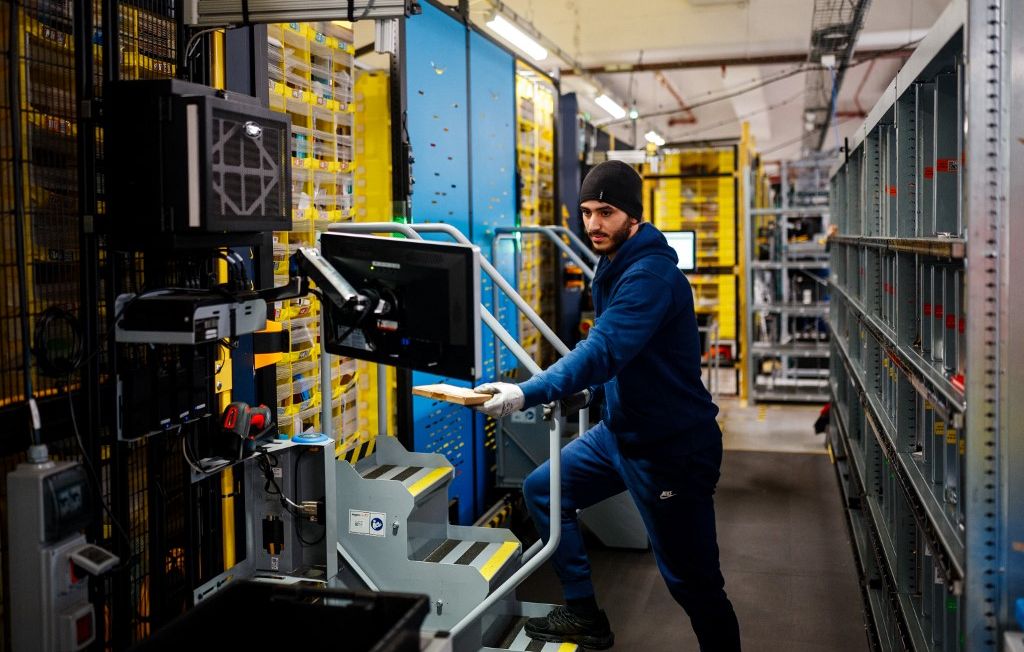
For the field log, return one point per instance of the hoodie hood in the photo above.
(648, 241)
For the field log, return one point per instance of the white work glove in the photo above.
(508, 398)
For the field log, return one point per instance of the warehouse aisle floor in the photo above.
(784, 549)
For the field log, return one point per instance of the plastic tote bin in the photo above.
(266, 616)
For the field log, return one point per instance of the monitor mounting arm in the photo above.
(308, 264)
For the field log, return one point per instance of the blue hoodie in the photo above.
(644, 349)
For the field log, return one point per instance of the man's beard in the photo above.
(614, 240)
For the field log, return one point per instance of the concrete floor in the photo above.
(769, 428)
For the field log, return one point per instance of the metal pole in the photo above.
(550, 235)
(375, 227)
(532, 561)
(496, 296)
(509, 341)
(751, 231)
(326, 395)
(575, 239)
(383, 418)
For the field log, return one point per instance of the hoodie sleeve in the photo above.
(636, 311)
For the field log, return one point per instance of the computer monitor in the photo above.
(433, 292)
(685, 244)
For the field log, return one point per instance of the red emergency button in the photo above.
(83, 629)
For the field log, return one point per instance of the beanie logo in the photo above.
(600, 196)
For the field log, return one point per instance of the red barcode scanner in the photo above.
(246, 422)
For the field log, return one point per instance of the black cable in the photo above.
(359, 322)
(97, 487)
(774, 79)
(295, 487)
(731, 121)
(795, 140)
(57, 343)
(264, 465)
(237, 263)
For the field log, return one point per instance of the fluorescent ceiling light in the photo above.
(653, 137)
(609, 105)
(517, 37)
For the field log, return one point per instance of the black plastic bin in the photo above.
(263, 615)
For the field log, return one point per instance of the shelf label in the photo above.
(947, 165)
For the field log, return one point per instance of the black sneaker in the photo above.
(564, 625)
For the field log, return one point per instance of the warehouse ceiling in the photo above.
(695, 51)
(696, 69)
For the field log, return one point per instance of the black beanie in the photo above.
(615, 183)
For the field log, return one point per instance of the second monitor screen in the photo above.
(685, 245)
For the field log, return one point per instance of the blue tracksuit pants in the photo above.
(674, 494)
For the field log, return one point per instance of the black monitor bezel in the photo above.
(468, 365)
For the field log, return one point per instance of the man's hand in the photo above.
(508, 398)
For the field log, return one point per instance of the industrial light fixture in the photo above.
(634, 114)
(609, 105)
(517, 37)
(655, 139)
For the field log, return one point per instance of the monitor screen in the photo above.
(433, 289)
(685, 244)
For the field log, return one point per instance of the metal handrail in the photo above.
(575, 239)
(536, 555)
(550, 234)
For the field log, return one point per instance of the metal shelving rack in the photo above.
(787, 296)
(535, 155)
(925, 429)
(310, 77)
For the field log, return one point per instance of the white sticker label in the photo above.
(278, 473)
(275, 563)
(367, 523)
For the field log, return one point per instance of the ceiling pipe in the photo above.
(688, 118)
(771, 59)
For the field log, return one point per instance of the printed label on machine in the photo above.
(366, 523)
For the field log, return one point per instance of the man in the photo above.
(658, 437)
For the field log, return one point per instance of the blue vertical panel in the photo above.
(492, 162)
(569, 150)
(436, 79)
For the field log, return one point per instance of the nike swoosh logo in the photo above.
(667, 494)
